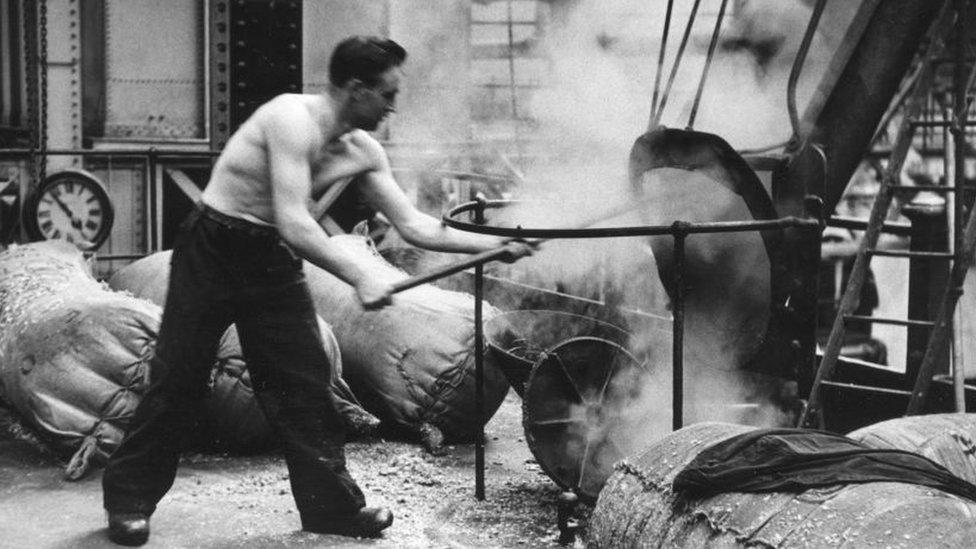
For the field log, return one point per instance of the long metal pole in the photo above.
(952, 220)
(513, 95)
(660, 64)
(152, 215)
(674, 68)
(678, 330)
(957, 211)
(708, 64)
(479, 370)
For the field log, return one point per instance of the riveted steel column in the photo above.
(219, 73)
(265, 54)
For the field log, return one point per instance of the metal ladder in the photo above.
(962, 258)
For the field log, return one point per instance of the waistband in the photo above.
(231, 222)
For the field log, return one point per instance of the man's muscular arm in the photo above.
(292, 138)
(416, 227)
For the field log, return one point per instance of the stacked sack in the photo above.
(73, 354)
(639, 506)
(411, 362)
(233, 420)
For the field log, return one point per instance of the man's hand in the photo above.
(374, 294)
(517, 249)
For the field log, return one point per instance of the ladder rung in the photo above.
(867, 388)
(913, 255)
(938, 123)
(933, 188)
(895, 321)
(861, 224)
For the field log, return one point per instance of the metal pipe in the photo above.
(511, 82)
(903, 229)
(581, 231)
(940, 123)
(677, 63)
(660, 63)
(154, 201)
(678, 328)
(637, 230)
(955, 209)
(477, 261)
(708, 64)
(479, 369)
(801, 57)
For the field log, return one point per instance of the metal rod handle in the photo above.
(447, 270)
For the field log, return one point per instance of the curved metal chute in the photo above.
(732, 299)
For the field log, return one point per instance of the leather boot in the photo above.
(128, 528)
(369, 522)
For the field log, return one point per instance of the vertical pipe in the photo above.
(152, 213)
(955, 209)
(952, 221)
(512, 88)
(479, 368)
(678, 329)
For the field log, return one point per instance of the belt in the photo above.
(237, 223)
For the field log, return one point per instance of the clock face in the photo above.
(73, 207)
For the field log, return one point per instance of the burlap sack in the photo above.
(412, 362)
(638, 508)
(233, 420)
(73, 354)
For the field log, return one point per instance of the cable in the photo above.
(660, 62)
(708, 64)
(801, 56)
(677, 63)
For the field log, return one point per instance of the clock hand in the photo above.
(75, 222)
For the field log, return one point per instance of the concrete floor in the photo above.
(228, 502)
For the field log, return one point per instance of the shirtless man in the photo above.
(239, 260)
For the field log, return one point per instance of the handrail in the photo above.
(609, 232)
(679, 230)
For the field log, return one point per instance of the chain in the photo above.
(42, 119)
(30, 58)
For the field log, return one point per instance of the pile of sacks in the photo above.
(74, 355)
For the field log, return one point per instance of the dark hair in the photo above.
(365, 58)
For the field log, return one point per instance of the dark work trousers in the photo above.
(227, 270)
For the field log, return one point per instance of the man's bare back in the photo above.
(241, 183)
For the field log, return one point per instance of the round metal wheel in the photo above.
(583, 411)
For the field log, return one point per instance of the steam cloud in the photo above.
(603, 58)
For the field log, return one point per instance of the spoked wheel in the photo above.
(582, 411)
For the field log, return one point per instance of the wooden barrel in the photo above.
(637, 508)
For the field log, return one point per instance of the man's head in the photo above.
(366, 68)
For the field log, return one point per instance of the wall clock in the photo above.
(71, 205)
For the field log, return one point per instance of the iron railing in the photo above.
(679, 231)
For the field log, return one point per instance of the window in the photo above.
(148, 83)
